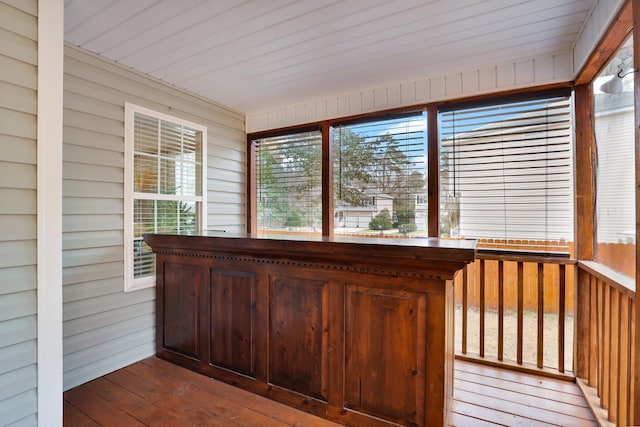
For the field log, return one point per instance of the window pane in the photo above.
(506, 174)
(176, 217)
(145, 178)
(615, 176)
(289, 183)
(380, 173)
(180, 158)
(144, 222)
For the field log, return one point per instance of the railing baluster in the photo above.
(465, 296)
(561, 314)
(625, 357)
(593, 333)
(500, 310)
(606, 381)
(601, 339)
(520, 310)
(540, 347)
(633, 393)
(614, 376)
(482, 306)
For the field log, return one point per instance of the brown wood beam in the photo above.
(252, 189)
(433, 172)
(618, 31)
(635, 410)
(327, 179)
(585, 161)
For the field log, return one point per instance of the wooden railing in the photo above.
(605, 342)
(516, 287)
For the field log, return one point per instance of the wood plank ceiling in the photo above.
(253, 54)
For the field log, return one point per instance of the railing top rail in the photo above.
(526, 256)
(619, 281)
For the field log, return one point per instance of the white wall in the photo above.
(18, 248)
(104, 328)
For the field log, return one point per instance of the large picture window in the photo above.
(506, 173)
(165, 159)
(380, 176)
(289, 183)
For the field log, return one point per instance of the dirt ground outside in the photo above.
(530, 336)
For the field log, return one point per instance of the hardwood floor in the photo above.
(487, 396)
(156, 393)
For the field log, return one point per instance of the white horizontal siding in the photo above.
(104, 328)
(615, 199)
(18, 325)
(537, 70)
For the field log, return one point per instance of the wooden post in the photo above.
(585, 158)
(635, 411)
(251, 198)
(327, 179)
(433, 171)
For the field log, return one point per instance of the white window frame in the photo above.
(131, 283)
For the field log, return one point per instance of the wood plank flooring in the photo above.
(156, 393)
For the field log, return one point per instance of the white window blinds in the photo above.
(506, 171)
(289, 183)
(165, 184)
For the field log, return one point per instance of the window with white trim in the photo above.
(165, 187)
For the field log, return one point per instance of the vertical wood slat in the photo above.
(482, 306)
(601, 350)
(634, 404)
(592, 351)
(561, 314)
(582, 324)
(465, 296)
(327, 179)
(433, 172)
(500, 310)
(624, 358)
(635, 324)
(614, 378)
(540, 346)
(606, 339)
(520, 310)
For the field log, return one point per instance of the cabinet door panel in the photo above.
(233, 299)
(182, 286)
(385, 353)
(298, 335)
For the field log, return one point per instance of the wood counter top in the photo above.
(413, 254)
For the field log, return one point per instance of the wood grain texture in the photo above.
(182, 287)
(298, 335)
(156, 392)
(233, 321)
(382, 340)
(314, 324)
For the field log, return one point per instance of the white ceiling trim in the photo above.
(539, 70)
(254, 54)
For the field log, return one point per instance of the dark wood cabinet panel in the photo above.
(355, 331)
(233, 320)
(182, 285)
(384, 353)
(298, 335)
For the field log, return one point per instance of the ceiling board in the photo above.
(253, 54)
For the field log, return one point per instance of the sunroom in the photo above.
(356, 138)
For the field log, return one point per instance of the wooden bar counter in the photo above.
(359, 331)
